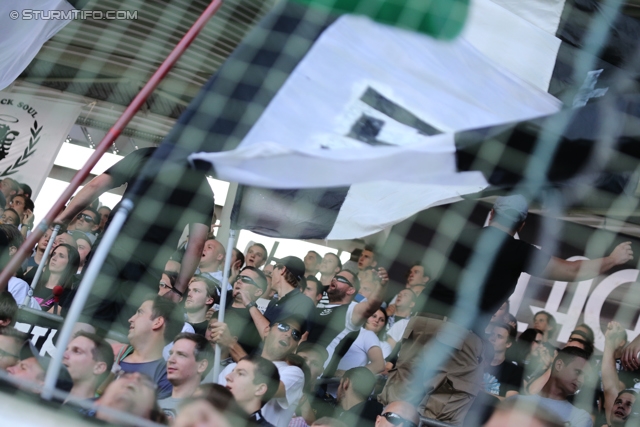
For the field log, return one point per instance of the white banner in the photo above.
(22, 33)
(32, 129)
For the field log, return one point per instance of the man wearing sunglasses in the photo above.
(398, 414)
(342, 315)
(281, 340)
(248, 287)
(87, 221)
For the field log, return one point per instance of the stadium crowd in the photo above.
(308, 340)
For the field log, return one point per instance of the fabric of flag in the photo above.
(362, 209)
(26, 26)
(259, 95)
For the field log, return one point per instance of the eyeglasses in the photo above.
(397, 420)
(343, 279)
(295, 334)
(85, 217)
(170, 288)
(247, 279)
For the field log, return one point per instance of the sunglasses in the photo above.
(397, 420)
(579, 340)
(343, 279)
(295, 334)
(247, 279)
(85, 217)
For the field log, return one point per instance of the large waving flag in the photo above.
(26, 26)
(353, 106)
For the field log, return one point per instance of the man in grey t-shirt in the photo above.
(567, 376)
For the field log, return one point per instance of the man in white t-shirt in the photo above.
(281, 340)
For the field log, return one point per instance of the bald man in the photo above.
(396, 411)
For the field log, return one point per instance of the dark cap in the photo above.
(65, 383)
(294, 265)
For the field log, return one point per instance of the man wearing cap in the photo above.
(32, 368)
(483, 265)
(291, 301)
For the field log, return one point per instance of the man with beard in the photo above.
(281, 339)
(342, 315)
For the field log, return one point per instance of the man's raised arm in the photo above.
(571, 271)
(94, 189)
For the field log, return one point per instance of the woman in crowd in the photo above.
(366, 349)
(377, 324)
(59, 270)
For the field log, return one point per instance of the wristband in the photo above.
(251, 304)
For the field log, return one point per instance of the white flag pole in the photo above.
(223, 299)
(110, 235)
(43, 261)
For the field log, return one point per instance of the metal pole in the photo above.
(82, 295)
(223, 299)
(107, 141)
(43, 261)
(272, 253)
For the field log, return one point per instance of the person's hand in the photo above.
(244, 295)
(543, 355)
(622, 253)
(27, 218)
(388, 366)
(209, 314)
(220, 335)
(235, 270)
(630, 355)
(384, 276)
(614, 329)
(391, 310)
